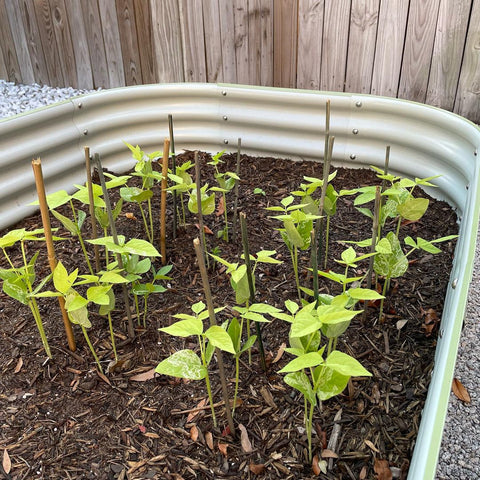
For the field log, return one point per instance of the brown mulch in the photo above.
(60, 419)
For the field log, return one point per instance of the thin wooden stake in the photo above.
(174, 171)
(52, 259)
(91, 207)
(246, 254)
(211, 313)
(199, 207)
(163, 201)
(235, 202)
(113, 230)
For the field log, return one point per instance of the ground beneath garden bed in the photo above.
(60, 419)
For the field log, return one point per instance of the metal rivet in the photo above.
(475, 152)
(225, 117)
(353, 156)
(79, 105)
(224, 93)
(355, 131)
(85, 132)
(441, 333)
(225, 142)
(454, 283)
(358, 104)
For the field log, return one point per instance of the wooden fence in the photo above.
(422, 50)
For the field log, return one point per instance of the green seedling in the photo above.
(226, 183)
(259, 191)
(297, 226)
(18, 281)
(182, 183)
(186, 363)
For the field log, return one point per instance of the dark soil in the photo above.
(60, 419)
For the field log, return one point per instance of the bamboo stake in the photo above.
(52, 259)
(163, 200)
(174, 171)
(199, 207)
(246, 254)
(91, 207)
(211, 312)
(235, 204)
(113, 229)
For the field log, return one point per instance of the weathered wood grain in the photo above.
(193, 40)
(7, 45)
(254, 43)
(127, 39)
(213, 40)
(80, 44)
(143, 21)
(310, 34)
(227, 33)
(447, 52)
(389, 47)
(467, 102)
(334, 45)
(114, 54)
(96, 46)
(3, 67)
(267, 45)
(285, 43)
(64, 41)
(34, 42)
(417, 54)
(361, 45)
(49, 43)
(167, 41)
(240, 13)
(20, 40)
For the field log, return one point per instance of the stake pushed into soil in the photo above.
(113, 229)
(235, 202)
(211, 313)
(199, 208)
(163, 200)
(174, 171)
(246, 254)
(91, 207)
(52, 259)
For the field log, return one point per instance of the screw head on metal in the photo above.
(224, 93)
(355, 131)
(79, 105)
(85, 132)
(225, 117)
(353, 156)
(454, 283)
(358, 104)
(225, 142)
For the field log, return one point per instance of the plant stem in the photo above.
(199, 208)
(213, 321)
(52, 260)
(309, 426)
(131, 329)
(89, 343)
(80, 238)
(32, 303)
(251, 285)
(237, 377)
(174, 170)
(201, 342)
(235, 195)
(163, 200)
(112, 336)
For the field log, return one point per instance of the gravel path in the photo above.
(460, 453)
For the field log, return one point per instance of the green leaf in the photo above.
(62, 280)
(349, 256)
(383, 246)
(16, 289)
(112, 277)
(104, 309)
(55, 199)
(394, 264)
(291, 306)
(306, 360)
(346, 365)
(235, 332)
(80, 317)
(413, 209)
(185, 328)
(329, 382)
(220, 339)
(364, 294)
(183, 364)
(198, 307)
(99, 294)
(301, 382)
(82, 195)
(248, 344)
(304, 324)
(69, 225)
(74, 301)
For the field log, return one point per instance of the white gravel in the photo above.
(460, 452)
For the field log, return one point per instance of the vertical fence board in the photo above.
(213, 41)
(143, 21)
(64, 42)
(20, 40)
(80, 44)
(167, 44)
(266, 42)
(34, 43)
(127, 36)
(361, 45)
(7, 46)
(467, 101)
(227, 33)
(96, 46)
(447, 52)
(191, 22)
(334, 45)
(49, 43)
(116, 53)
(418, 49)
(241, 15)
(310, 33)
(3, 66)
(389, 47)
(285, 43)
(254, 43)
